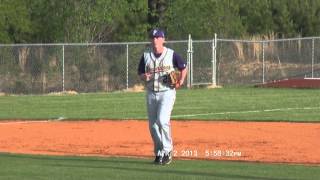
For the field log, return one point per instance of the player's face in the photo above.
(157, 42)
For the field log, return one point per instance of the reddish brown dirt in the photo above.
(244, 141)
(292, 83)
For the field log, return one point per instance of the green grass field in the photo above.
(25, 167)
(250, 104)
(242, 104)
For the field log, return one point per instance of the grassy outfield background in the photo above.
(13, 167)
(258, 104)
(203, 104)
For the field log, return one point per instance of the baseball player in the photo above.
(155, 65)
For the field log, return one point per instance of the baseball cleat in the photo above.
(167, 159)
(158, 160)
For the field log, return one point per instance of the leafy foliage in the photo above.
(26, 69)
(15, 22)
(41, 21)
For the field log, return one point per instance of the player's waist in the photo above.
(155, 90)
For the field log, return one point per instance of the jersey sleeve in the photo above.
(141, 67)
(178, 62)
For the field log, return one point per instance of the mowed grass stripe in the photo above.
(121, 105)
(248, 112)
(95, 168)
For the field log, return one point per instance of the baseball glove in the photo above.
(171, 79)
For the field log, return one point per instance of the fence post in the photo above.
(263, 64)
(127, 85)
(312, 60)
(189, 59)
(214, 60)
(63, 68)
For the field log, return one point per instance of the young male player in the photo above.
(155, 64)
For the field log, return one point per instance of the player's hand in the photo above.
(146, 77)
(178, 84)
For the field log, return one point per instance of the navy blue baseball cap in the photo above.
(156, 33)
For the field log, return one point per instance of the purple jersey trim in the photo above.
(178, 62)
(141, 67)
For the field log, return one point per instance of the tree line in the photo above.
(67, 21)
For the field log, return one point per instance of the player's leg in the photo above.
(165, 108)
(152, 107)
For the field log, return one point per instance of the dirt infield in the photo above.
(244, 141)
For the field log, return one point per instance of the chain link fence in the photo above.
(105, 67)
(253, 62)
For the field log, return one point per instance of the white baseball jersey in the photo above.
(158, 67)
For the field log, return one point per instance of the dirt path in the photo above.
(245, 141)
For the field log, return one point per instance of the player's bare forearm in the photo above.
(183, 74)
(181, 78)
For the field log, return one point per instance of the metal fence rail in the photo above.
(104, 67)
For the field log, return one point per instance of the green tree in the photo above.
(48, 20)
(283, 23)
(15, 23)
(203, 18)
(132, 24)
(156, 12)
(104, 20)
(305, 15)
(256, 16)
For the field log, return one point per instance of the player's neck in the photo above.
(158, 50)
